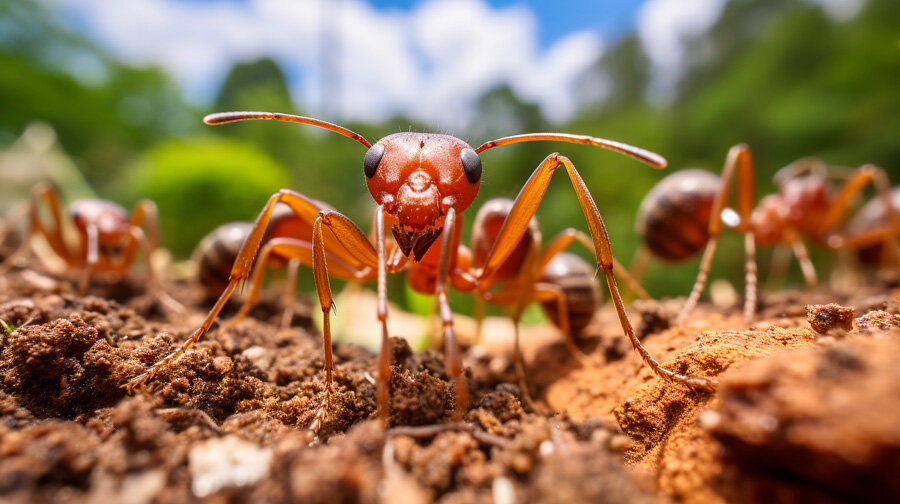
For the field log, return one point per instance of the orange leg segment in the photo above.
(524, 208)
(738, 160)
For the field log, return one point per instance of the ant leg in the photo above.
(806, 265)
(750, 276)
(144, 233)
(299, 252)
(860, 178)
(302, 206)
(516, 223)
(639, 262)
(145, 215)
(354, 240)
(478, 313)
(565, 238)
(778, 265)
(738, 160)
(290, 292)
(452, 358)
(562, 306)
(519, 364)
(93, 256)
(54, 237)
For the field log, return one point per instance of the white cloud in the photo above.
(664, 26)
(432, 62)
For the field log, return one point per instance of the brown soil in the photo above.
(801, 415)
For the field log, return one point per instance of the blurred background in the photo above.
(116, 91)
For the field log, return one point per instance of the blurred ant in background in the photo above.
(686, 210)
(108, 236)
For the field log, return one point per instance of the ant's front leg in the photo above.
(298, 252)
(452, 358)
(514, 227)
(301, 205)
(355, 242)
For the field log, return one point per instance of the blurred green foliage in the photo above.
(201, 183)
(779, 75)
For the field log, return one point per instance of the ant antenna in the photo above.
(230, 117)
(644, 156)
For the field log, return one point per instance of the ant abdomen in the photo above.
(575, 278)
(673, 218)
(215, 255)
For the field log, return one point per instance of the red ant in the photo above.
(685, 211)
(108, 236)
(421, 183)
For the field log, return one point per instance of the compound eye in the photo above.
(373, 157)
(471, 164)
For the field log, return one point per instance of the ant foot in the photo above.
(321, 417)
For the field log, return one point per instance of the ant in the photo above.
(685, 212)
(108, 236)
(218, 250)
(421, 184)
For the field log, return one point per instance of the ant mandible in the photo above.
(685, 211)
(421, 184)
(109, 235)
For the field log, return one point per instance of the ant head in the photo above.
(418, 178)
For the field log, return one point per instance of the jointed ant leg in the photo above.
(524, 208)
(296, 250)
(452, 358)
(860, 178)
(54, 236)
(750, 277)
(738, 160)
(566, 237)
(93, 256)
(290, 293)
(806, 265)
(778, 266)
(384, 355)
(302, 206)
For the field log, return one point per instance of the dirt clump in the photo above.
(823, 417)
(825, 318)
(247, 416)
